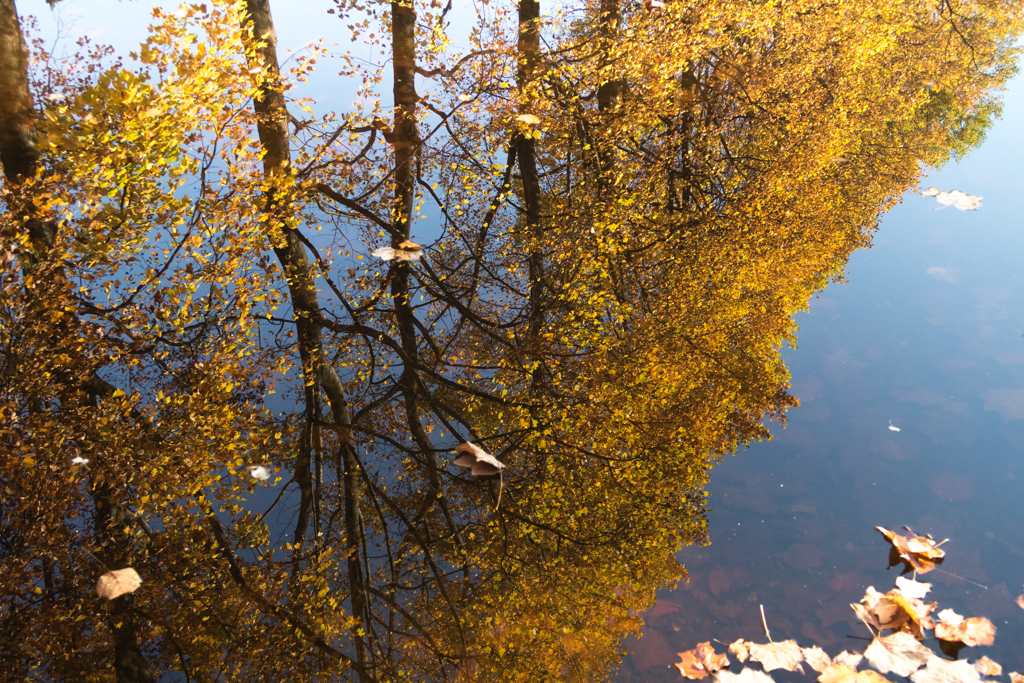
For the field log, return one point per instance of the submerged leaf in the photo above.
(116, 583)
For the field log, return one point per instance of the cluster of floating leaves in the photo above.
(406, 251)
(955, 198)
(902, 611)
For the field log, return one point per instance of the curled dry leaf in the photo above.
(895, 611)
(848, 659)
(816, 658)
(116, 583)
(479, 462)
(971, 632)
(701, 661)
(941, 670)
(785, 655)
(744, 676)
(839, 673)
(899, 653)
(986, 667)
(917, 553)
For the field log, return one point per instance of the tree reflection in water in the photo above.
(621, 207)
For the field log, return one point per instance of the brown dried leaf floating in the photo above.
(116, 583)
(971, 632)
(816, 658)
(986, 667)
(843, 674)
(944, 671)
(744, 676)
(701, 661)
(917, 553)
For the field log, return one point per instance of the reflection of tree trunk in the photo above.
(529, 60)
(272, 126)
(21, 162)
(608, 92)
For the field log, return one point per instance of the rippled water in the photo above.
(927, 334)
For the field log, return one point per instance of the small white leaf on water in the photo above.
(260, 472)
(79, 460)
(892, 428)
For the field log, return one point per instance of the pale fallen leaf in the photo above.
(479, 462)
(465, 98)
(971, 632)
(528, 119)
(955, 198)
(744, 676)
(1020, 601)
(893, 428)
(784, 655)
(848, 659)
(944, 671)
(261, 472)
(986, 667)
(899, 653)
(1016, 677)
(118, 582)
(406, 251)
(701, 661)
(839, 673)
(816, 658)
(912, 589)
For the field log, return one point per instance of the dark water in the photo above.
(927, 333)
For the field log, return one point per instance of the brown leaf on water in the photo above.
(899, 653)
(843, 674)
(1020, 601)
(895, 611)
(1016, 677)
(816, 658)
(971, 632)
(986, 667)
(701, 661)
(744, 676)
(917, 553)
(912, 589)
(479, 462)
(785, 655)
(944, 671)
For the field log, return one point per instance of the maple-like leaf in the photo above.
(986, 667)
(701, 661)
(941, 670)
(917, 553)
(899, 653)
(785, 655)
(744, 676)
(839, 673)
(971, 632)
(118, 582)
(479, 462)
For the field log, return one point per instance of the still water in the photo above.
(926, 334)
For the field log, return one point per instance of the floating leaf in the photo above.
(701, 661)
(785, 655)
(843, 674)
(406, 251)
(899, 653)
(1020, 601)
(955, 198)
(894, 611)
(848, 659)
(893, 428)
(986, 667)
(944, 671)
(117, 583)
(917, 553)
(816, 658)
(744, 676)
(971, 632)
(529, 119)
(261, 472)
(479, 462)
(912, 589)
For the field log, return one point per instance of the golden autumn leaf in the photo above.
(839, 673)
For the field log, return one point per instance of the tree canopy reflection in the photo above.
(620, 205)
